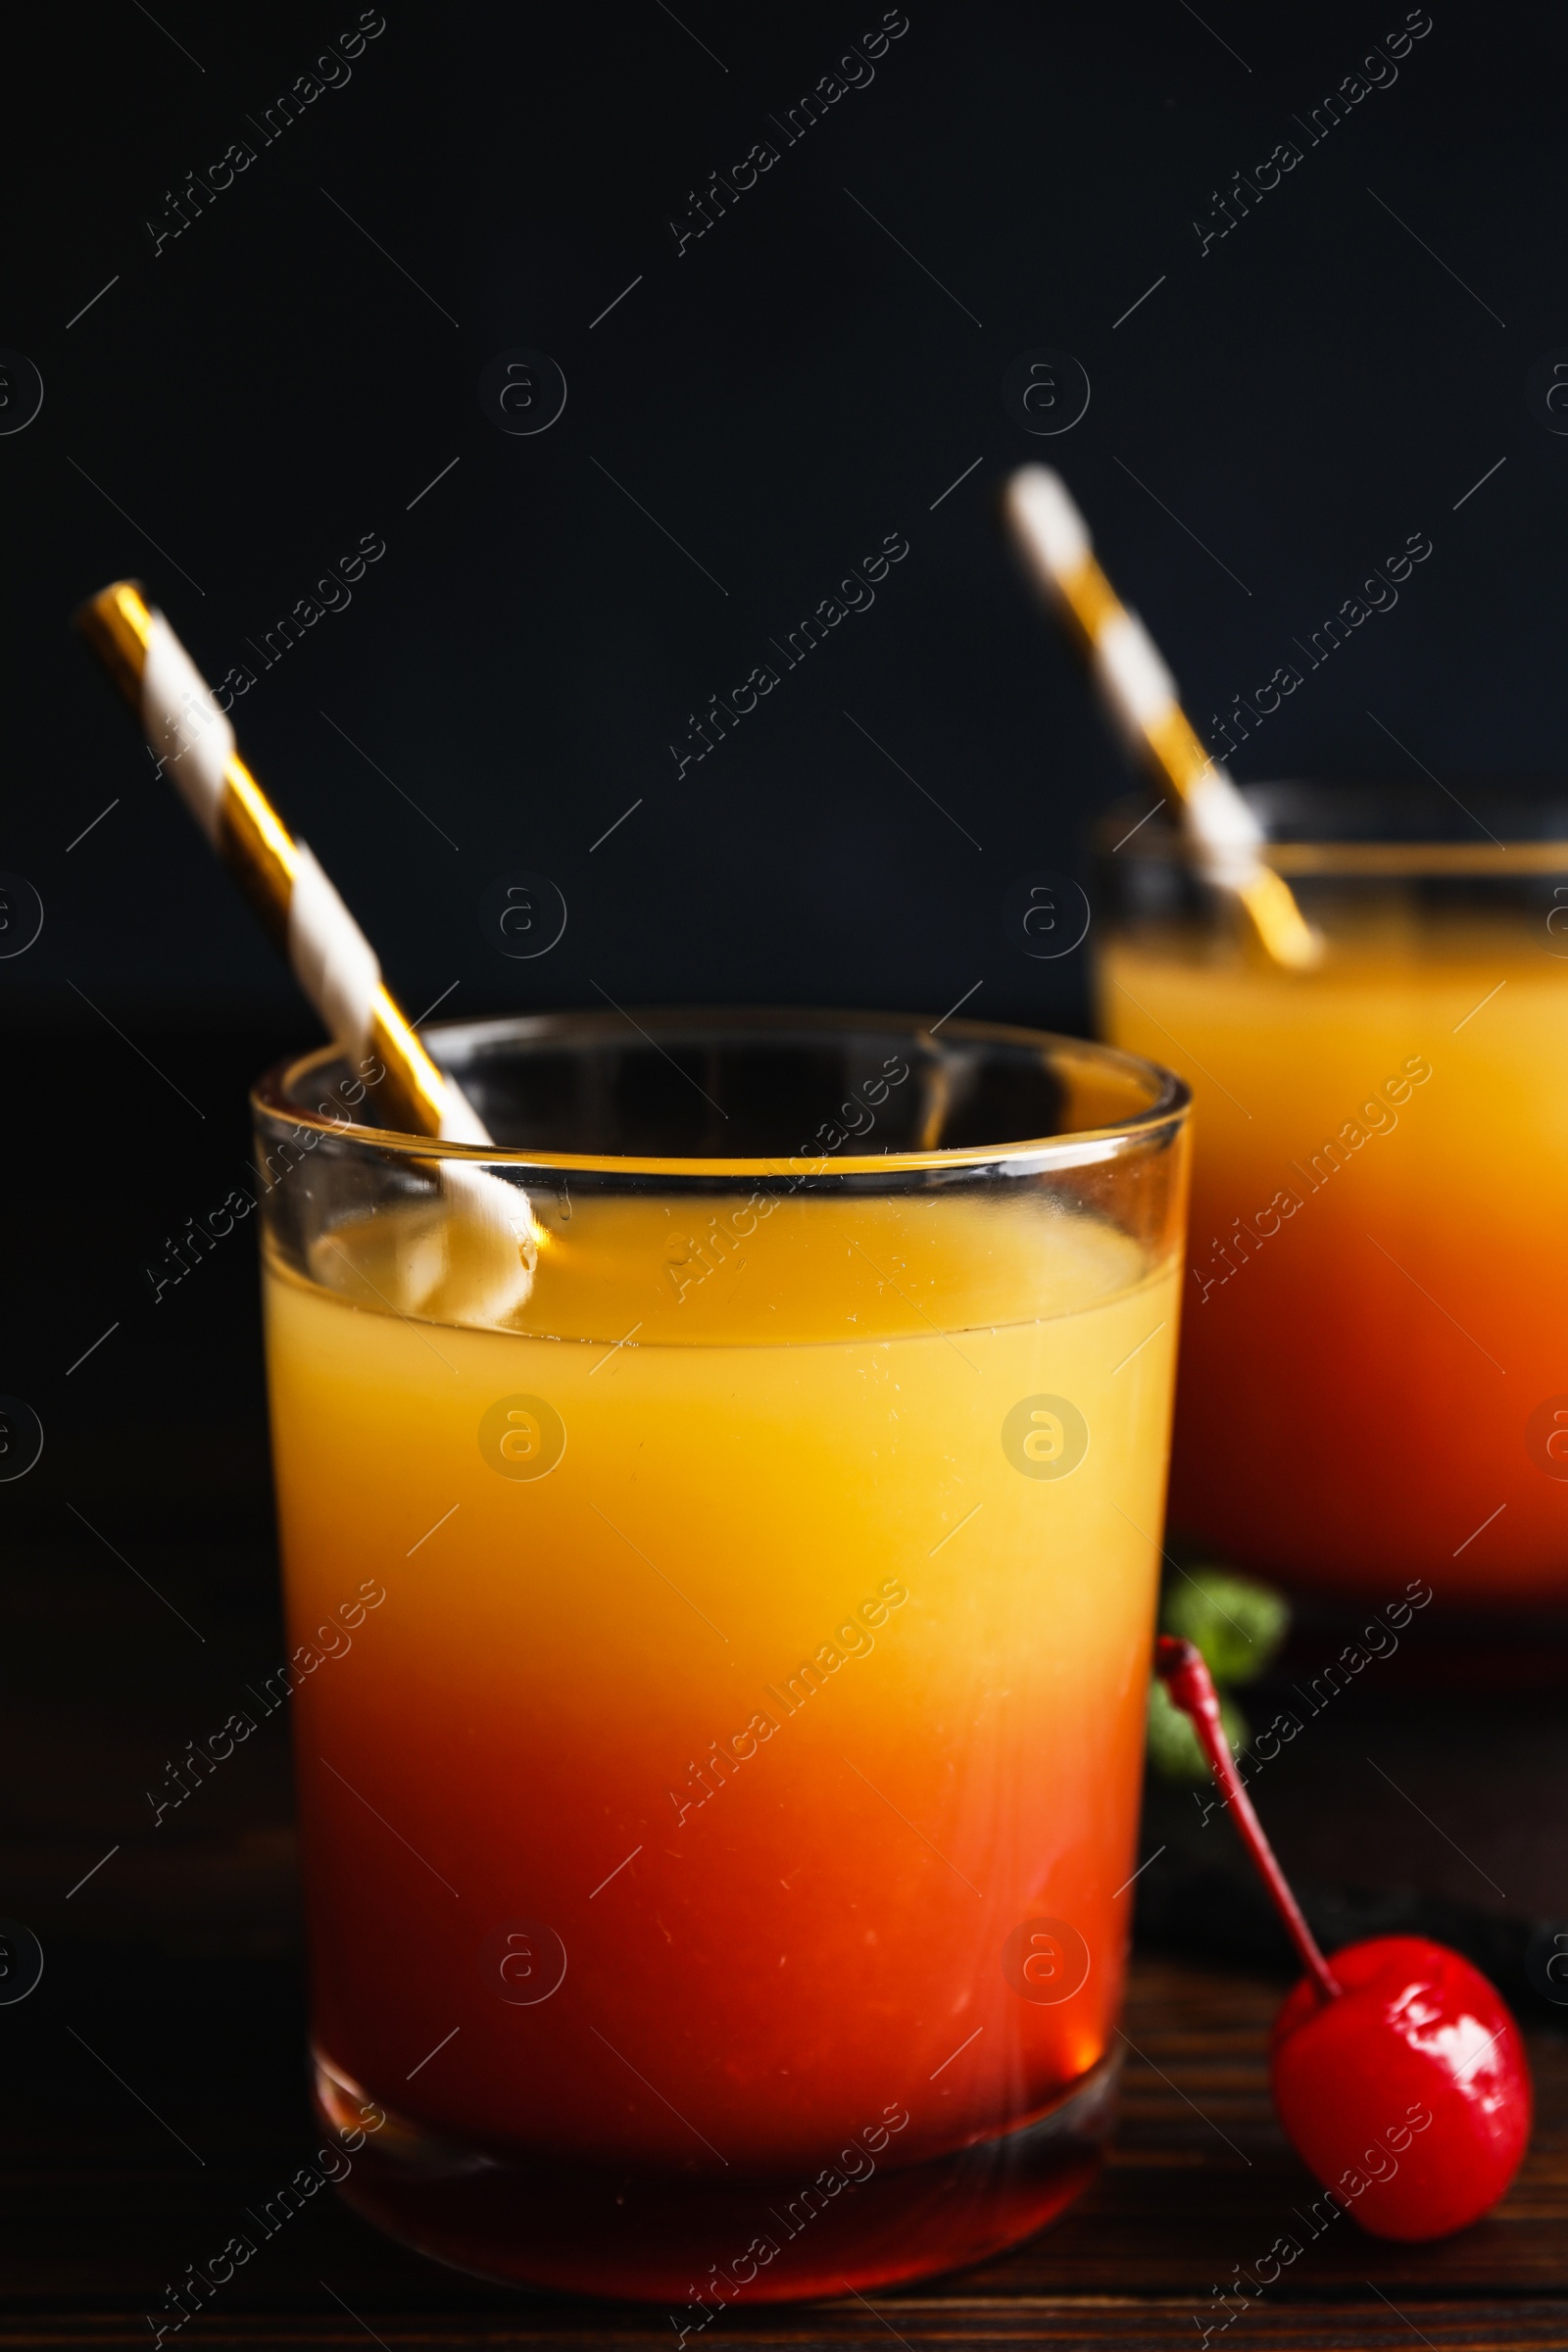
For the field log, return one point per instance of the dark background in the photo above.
(270, 385)
(795, 385)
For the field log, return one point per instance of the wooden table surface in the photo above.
(154, 2083)
(104, 2206)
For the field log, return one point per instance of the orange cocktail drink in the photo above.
(1373, 1381)
(716, 1845)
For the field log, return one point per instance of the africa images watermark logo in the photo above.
(522, 1436)
(1045, 1437)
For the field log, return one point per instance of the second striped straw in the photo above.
(1226, 837)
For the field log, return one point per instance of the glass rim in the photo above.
(1365, 854)
(1169, 1104)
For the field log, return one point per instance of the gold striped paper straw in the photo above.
(307, 920)
(1228, 839)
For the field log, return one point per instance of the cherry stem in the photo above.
(1180, 1666)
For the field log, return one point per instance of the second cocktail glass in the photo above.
(1373, 1382)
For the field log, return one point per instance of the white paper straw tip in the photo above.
(1041, 513)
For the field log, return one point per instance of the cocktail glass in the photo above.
(719, 1689)
(1373, 1377)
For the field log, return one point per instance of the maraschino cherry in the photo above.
(1398, 2075)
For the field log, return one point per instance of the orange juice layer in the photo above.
(1372, 1343)
(798, 1683)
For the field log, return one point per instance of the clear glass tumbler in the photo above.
(720, 1631)
(1373, 1380)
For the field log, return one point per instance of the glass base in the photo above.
(701, 2244)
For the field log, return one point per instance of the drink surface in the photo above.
(1371, 1352)
(746, 1750)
